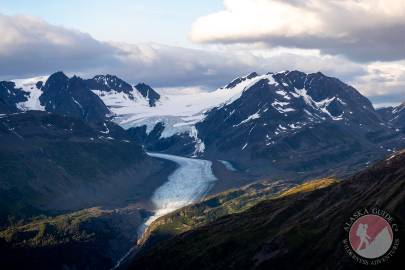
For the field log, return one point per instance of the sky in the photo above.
(181, 44)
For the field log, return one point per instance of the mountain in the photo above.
(394, 116)
(302, 230)
(10, 97)
(309, 124)
(92, 100)
(280, 125)
(148, 93)
(117, 93)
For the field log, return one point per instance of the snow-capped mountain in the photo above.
(272, 122)
(284, 103)
(394, 116)
(92, 100)
(277, 121)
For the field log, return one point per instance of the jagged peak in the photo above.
(109, 82)
(55, 78)
(142, 84)
(147, 92)
(238, 80)
(107, 77)
(58, 76)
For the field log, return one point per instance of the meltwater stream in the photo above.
(187, 184)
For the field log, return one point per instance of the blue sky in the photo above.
(205, 44)
(167, 22)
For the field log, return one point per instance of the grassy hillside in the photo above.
(225, 203)
(92, 238)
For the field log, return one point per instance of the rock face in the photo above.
(148, 93)
(293, 121)
(92, 100)
(302, 230)
(72, 97)
(394, 116)
(10, 97)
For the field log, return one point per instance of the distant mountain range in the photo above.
(280, 125)
(74, 97)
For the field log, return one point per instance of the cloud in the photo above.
(383, 82)
(363, 30)
(170, 66)
(32, 47)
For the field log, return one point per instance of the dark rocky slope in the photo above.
(51, 167)
(394, 116)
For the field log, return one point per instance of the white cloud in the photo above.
(364, 30)
(32, 47)
(383, 81)
(29, 45)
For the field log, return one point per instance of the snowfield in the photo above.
(179, 112)
(33, 93)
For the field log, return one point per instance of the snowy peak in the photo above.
(72, 97)
(274, 106)
(92, 99)
(394, 116)
(108, 83)
(147, 92)
(10, 97)
(237, 81)
(315, 94)
(399, 109)
(110, 88)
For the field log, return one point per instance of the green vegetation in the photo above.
(50, 231)
(310, 186)
(216, 206)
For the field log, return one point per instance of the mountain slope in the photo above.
(51, 163)
(92, 100)
(278, 125)
(304, 230)
(394, 116)
(298, 125)
(219, 205)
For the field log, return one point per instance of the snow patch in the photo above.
(250, 117)
(33, 93)
(199, 144)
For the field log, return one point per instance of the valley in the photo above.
(104, 169)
